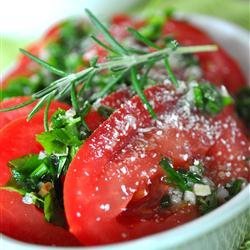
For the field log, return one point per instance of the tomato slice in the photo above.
(106, 175)
(113, 186)
(18, 139)
(26, 223)
(226, 160)
(6, 117)
(218, 67)
(113, 100)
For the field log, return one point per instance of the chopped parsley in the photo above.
(208, 99)
(243, 105)
(38, 177)
(182, 179)
(105, 111)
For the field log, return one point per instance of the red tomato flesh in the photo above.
(17, 139)
(226, 160)
(218, 67)
(6, 117)
(26, 223)
(116, 169)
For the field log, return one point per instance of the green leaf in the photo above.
(22, 170)
(208, 99)
(21, 86)
(173, 176)
(53, 212)
(154, 26)
(57, 141)
(243, 105)
(25, 165)
(235, 187)
(207, 204)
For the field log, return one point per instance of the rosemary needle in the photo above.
(123, 62)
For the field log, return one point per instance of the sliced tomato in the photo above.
(227, 159)
(114, 169)
(18, 139)
(6, 117)
(113, 186)
(113, 100)
(26, 223)
(218, 67)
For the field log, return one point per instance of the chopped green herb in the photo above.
(31, 174)
(53, 212)
(182, 179)
(154, 25)
(235, 187)
(243, 105)
(208, 99)
(172, 175)
(208, 203)
(165, 201)
(105, 111)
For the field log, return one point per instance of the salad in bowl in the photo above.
(112, 133)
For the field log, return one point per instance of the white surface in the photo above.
(30, 18)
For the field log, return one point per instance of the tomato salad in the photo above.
(140, 129)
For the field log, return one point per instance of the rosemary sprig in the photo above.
(43, 63)
(110, 39)
(122, 63)
(139, 91)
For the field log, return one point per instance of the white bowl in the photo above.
(225, 227)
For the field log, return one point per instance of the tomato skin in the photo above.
(218, 67)
(26, 223)
(18, 139)
(226, 159)
(113, 100)
(6, 117)
(87, 198)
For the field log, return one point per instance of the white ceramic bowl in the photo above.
(225, 227)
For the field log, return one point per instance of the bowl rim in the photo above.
(214, 219)
(188, 231)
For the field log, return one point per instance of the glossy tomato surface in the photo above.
(26, 223)
(6, 117)
(18, 137)
(217, 67)
(114, 184)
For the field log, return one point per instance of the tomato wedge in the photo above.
(113, 186)
(218, 67)
(113, 100)
(106, 176)
(226, 160)
(26, 223)
(6, 117)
